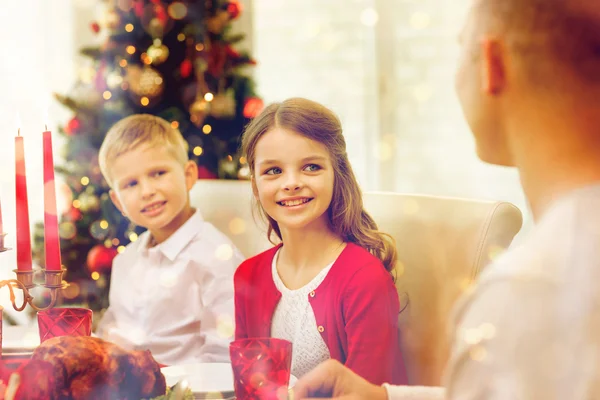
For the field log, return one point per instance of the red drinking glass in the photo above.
(64, 322)
(1, 319)
(261, 368)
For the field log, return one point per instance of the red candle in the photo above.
(23, 235)
(51, 238)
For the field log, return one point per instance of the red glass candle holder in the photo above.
(261, 368)
(64, 322)
(1, 320)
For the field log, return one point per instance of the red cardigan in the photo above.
(356, 308)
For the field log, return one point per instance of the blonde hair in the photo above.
(138, 129)
(347, 216)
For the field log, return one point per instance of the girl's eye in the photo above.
(159, 173)
(129, 184)
(312, 167)
(273, 171)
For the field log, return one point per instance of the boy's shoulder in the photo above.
(132, 248)
(129, 255)
(258, 264)
(212, 244)
(210, 235)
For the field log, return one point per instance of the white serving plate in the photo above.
(205, 379)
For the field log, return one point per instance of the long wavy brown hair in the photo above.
(347, 216)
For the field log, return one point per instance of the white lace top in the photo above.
(294, 320)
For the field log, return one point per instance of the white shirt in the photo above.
(176, 298)
(530, 328)
(294, 320)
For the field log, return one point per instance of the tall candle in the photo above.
(23, 235)
(51, 238)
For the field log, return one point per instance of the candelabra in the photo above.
(24, 282)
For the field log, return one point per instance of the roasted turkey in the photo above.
(83, 367)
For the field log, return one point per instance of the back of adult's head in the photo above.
(556, 41)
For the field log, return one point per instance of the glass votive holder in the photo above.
(64, 322)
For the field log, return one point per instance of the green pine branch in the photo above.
(93, 52)
(236, 38)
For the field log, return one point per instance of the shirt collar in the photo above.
(178, 240)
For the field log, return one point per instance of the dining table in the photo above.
(204, 380)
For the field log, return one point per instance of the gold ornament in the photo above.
(198, 111)
(177, 10)
(156, 28)
(223, 105)
(99, 230)
(158, 53)
(88, 202)
(67, 230)
(217, 23)
(144, 83)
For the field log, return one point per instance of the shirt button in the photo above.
(321, 329)
(312, 294)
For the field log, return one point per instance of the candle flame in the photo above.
(46, 114)
(19, 123)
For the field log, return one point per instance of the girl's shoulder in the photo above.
(357, 263)
(355, 257)
(257, 265)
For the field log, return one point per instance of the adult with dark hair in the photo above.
(529, 83)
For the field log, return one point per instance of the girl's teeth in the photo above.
(294, 202)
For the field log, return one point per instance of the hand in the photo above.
(332, 380)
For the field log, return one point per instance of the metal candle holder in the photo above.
(25, 282)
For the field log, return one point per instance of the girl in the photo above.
(327, 286)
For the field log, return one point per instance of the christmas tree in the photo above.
(174, 59)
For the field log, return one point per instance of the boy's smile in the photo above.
(154, 208)
(151, 188)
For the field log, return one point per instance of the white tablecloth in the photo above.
(20, 338)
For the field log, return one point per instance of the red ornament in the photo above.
(234, 8)
(231, 52)
(95, 27)
(205, 173)
(236, 58)
(73, 214)
(100, 257)
(160, 12)
(185, 69)
(138, 8)
(73, 126)
(217, 57)
(252, 107)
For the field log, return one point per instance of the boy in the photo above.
(170, 292)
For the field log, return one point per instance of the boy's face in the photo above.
(151, 188)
